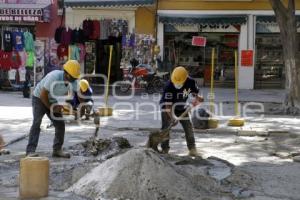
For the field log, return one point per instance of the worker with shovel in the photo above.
(173, 102)
(45, 101)
(82, 101)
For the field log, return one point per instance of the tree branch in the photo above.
(279, 7)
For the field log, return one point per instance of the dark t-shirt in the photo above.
(87, 97)
(175, 96)
(7, 41)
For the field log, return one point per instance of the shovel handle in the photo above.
(180, 117)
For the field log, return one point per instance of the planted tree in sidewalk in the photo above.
(286, 20)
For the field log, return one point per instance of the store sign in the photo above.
(199, 41)
(247, 58)
(17, 14)
(191, 28)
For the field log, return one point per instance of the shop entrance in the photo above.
(179, 51)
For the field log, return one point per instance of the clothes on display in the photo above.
(74, 52)
(78, 36)
(28, 40)
(9, 60)
(62, 51)
(89, 44)
(7, 41)
(18, 40)
(66, 36)
(30, 59)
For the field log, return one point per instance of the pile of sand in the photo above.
(143, 174)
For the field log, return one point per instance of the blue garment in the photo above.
(86, 96)
(173, 95)
(18, 41)
(54, 83)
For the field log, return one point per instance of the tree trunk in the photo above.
(286, 20)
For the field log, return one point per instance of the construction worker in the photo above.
(83, 100)
(173, 102)
(46, 94)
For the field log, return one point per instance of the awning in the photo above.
(108, 3)
(204, 19)
(29, 12)
(271, 19)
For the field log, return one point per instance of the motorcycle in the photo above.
(142, 77)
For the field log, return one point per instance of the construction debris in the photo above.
(94, 147)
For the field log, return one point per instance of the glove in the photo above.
(58, 109)
(174, 122)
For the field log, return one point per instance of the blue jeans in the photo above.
(186, 125)
(39, 110)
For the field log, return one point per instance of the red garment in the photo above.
(9, 60)
(15, 60)
(96, 30)
(62, 51)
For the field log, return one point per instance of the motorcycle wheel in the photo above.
(158, 85)
(125, 86)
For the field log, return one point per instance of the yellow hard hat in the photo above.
(84, 85)
(179, 75)
(73, 68)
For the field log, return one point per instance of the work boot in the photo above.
(32, 154)
(60, 154)
(165, 150)
(194, 153)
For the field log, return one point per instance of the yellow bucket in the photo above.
(34, 177)
(105, 111)
(238, 122)
(213, 123)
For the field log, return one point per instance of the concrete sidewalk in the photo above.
(16, 114)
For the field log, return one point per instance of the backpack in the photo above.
(200, 118)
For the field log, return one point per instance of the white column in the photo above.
(246, 42)
(160, 38)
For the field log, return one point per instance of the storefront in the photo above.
(269, 67)
(221, 33)
(21, 50)
(105, 23)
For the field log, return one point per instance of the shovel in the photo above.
(157, 137)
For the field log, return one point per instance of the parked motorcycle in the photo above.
(142, 77)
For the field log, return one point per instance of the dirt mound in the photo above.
(94, 147)
(143, 174)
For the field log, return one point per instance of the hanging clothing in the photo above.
(74, 53)
(28, 40)
(30, 59)
(96, 30)
(23, 57)
(58, 34)
(7, 41)
(87, 28)
(15, 59)
(9, 60)
(62, 51)
(18, 40)
(81, 52)
(78, 36)
(66, 36)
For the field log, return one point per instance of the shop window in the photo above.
(198, 60)
(269, 59)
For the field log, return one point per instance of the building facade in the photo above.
(246, 26)
(26, 32)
